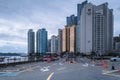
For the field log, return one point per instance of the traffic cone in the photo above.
(105, 64)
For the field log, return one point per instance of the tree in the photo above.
(93, 53)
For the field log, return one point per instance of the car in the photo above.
(115, 59)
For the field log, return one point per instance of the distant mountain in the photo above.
(10, 54)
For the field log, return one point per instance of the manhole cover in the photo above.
(9, 74)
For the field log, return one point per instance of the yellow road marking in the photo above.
(49, 77)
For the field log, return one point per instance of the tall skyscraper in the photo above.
(59, 41)
(66, 39)
(72, 20)
(54, 44)
(78, 38)
(94, 31)
(49, 45)
(41, 41)
(103, 29)
(69, 38)
(84, 43)
(31, 42)
(73, 38)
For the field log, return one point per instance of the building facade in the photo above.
(116, 44)
(54, 44)
(103, 29)
(31, 42)
(94, 31)
(59, 41)
(41, 41)
(72, 20)
(84, 29)
(78, 37)
(49, 45)
(66, 39)
(73, 38)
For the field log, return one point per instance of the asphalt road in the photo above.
(59, 70)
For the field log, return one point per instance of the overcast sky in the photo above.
(17, 16)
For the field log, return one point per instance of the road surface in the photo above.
(59, 70)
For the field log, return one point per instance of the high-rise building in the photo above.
(116, 44)
(84, 29)
(73, 38)
(72, 20)
(59, 41)
(78, 37)
(66, 39)
(94, 31)
(54, 44)
(31, 42)
(103, 29)
(41, 41)
(49, 45)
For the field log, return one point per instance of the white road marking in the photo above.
(44, 69)
(61, 68)
(85, 65)
(108, 72)
(60, 63)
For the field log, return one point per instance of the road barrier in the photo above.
(16, 63)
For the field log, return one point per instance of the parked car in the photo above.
(115, 59)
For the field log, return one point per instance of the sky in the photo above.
(17, 16)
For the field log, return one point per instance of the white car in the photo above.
(115, 59)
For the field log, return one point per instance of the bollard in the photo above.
(113, 68)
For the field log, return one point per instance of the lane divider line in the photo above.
(61, 68)
(49, 77)
(29, 69)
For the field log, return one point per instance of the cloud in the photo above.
(17, 16)
(118, 8)
(13, 46)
